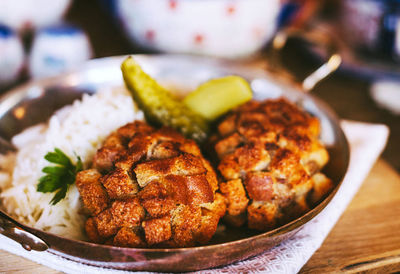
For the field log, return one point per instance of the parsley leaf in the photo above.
(60, 176)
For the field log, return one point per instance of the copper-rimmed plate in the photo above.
(40, 99)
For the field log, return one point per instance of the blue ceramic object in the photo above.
(372, 26)
(57, 49)
(11, 56)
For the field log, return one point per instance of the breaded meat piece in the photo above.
(157, 230)
(129, 236)
(160, 190)
(270, 160)
(119, 184)
(184, 164)
(93, 194)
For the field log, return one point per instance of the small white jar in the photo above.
(58, 49)
(12, 56)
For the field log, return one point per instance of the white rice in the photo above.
(78, 129)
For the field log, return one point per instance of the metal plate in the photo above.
(40, 99)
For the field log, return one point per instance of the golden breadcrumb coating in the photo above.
(150, 187)
(270, 160)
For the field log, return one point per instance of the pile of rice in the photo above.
(77, 129)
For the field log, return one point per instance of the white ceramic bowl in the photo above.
(27, 14)
(222, 28)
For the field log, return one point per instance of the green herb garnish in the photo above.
(60, 176)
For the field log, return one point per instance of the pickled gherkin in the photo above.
(217, 96)
(159, 105)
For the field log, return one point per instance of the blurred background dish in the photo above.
(367, 31)
(27, 14)
(221, 28)
(35, 29)
(57, 49)
(12, 56)
(372, 27)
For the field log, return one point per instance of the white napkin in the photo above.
(366, 144)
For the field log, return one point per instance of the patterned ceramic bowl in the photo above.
(222, 28)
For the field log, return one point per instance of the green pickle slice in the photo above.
(217, 96)
(160, 106)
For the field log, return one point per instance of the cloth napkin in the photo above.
(366, 143)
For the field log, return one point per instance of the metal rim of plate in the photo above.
(39, 99)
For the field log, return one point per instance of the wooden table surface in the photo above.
(366, 237)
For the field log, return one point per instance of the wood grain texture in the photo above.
(10, 263)
(365, 239)
(367, 236)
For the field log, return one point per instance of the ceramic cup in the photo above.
(58, 49)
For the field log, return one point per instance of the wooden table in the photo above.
(366, 237)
